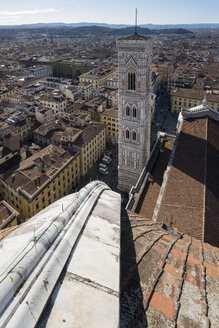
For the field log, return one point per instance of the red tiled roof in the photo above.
(135, 37)
(190, 199)
(151, 191)
(167, 279)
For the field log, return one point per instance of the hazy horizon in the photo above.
(199, 23)
(113, 12)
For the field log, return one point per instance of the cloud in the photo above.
(29, 12)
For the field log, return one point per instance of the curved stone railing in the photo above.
(21, 304)
(200, 111)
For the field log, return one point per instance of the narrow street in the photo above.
(164, 120)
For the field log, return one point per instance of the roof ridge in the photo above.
(129, 274)
(204, 283)
(157, 275)
(205, 177)
(180, 285)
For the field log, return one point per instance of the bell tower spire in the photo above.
(136, 21)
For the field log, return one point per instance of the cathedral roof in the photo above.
(168, 279)
(180, 187)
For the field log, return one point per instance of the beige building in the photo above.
(11, 141)
(98, 76)
(17, 123)
(58, 104)
(57, 133)
(90, 141)
(7, 93)
(182, 77)
(188, 98)
(72, 92)
(43, 114)
(91, 144)
(112, 99)
(86, 90)
(110, 117)
(40, 180)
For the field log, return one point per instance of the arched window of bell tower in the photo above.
(134, 112)
(127, 110)
(134, 135)
(131, 81)
(127, 134)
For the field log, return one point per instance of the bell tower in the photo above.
(134, 104)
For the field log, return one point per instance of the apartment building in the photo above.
(91, 144)
(86, 90)
(57, 103)
(56, 132)
(188, 98)
(17, 123)
(6, 92)
(43, 114)
(182, 77)
(72, 92)
(98, 76)
(42, 71)
(110, 117)
(40, 180)
(90, 141)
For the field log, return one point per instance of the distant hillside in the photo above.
(114, 26)
(83, 31)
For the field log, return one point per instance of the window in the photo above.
(127, 134)
(134, 112)
(127, 111)
(134, 135)
(131, 81)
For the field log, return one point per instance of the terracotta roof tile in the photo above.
(151, 191)
(185, 194)
(135, 37)
(167, 279)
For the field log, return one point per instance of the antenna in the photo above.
(136, 21)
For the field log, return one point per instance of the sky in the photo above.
(15, 12)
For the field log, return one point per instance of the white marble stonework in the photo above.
(61, 268)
